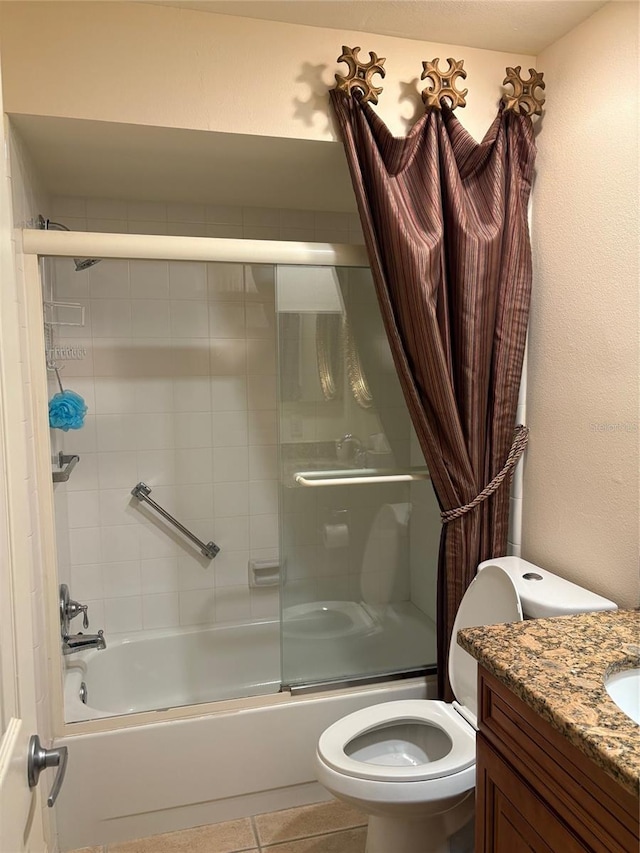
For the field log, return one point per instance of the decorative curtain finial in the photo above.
(358, 77)
(444, 84)
(523, 100)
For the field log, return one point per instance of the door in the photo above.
(21, 829)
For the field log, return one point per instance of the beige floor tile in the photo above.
(88, 850)
(229, 837)
(307, 820)
(348, 841)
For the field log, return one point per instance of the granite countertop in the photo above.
(557, 666)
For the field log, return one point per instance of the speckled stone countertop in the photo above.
(558, 666)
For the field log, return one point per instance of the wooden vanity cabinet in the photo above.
(536, 792)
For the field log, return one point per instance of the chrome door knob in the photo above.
(39, 758)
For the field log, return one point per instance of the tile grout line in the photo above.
(277, 844)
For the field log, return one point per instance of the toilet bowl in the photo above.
(410, 765)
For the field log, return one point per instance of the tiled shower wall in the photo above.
(180, 380)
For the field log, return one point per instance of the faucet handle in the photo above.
(74, 608)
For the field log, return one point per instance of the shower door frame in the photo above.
(72, 244)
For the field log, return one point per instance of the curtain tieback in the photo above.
(517, 449)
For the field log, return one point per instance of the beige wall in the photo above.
(581, 476)
(144, 64)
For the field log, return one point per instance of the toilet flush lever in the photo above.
(39, 758)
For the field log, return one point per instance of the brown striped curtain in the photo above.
(445, 224)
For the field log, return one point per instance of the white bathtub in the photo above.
(129, 777)
(172, 668)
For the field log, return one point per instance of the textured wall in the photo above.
(581, 480)
(181, 68)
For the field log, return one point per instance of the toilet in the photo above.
(410, 765)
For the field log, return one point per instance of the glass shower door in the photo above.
(359, 526)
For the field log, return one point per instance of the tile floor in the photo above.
(322, 828)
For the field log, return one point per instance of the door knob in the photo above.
(38, 758)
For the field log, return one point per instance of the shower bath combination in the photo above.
(347, 611)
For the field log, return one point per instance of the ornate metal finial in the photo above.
(359, 76)
(444, 84)
(523, 100)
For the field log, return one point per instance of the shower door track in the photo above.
(358, 681)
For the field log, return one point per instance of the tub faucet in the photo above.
(80, 642)
(69, 609)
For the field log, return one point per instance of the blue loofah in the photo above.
(66, 411)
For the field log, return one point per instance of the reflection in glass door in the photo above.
(359, 524)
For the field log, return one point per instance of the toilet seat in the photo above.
(461, 753)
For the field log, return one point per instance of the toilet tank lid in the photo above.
(543, 593)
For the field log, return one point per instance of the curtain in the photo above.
(445, 224)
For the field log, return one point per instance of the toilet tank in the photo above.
(544, 594)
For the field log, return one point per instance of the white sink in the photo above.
(624, 689)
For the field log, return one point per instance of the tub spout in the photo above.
(79, 642)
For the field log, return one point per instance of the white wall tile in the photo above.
(194, 466)
(190, 356)
(261, 392)
(263, 497)
(122, 614)
(229, 429)
(230, 499)
(120, 543)
(84, 545)
(230, 464)
(161, 611)
(263, 427)
(155, 467)
(86, 584)
(228, 393)
(196, 501)
(109, 280)
(260, 216)
(260, 320)
(153, 431)
(149, 279)
(231, 568)
(223, 215)
(186, 212)
(189, 319)
(232, 604)
(150, 318)
(232, 533)
(259, 282)
(111, 318)
(151, 211)
(83, 509)
(114, 396)
(192, 394)
(263, 531)
(106, 208)
(225, 282)
(192, 429)
(117, 469)
(228, 357)
(196, 608)
(226, 320)
(121, 579)
(153, 394)
(159, 575)
(188, 280)
(261, 357)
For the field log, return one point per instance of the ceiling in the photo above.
(513, 26)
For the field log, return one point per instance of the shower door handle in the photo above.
(39, 758)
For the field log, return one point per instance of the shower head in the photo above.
(81, 263)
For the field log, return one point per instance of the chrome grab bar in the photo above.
(141, 491)
(70, 461)
(358, 476)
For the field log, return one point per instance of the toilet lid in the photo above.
(490, 599)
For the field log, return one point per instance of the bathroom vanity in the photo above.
(558, 764)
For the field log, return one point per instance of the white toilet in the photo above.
(410, 765)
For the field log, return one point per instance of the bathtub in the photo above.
(165, 669)
(221, 758)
